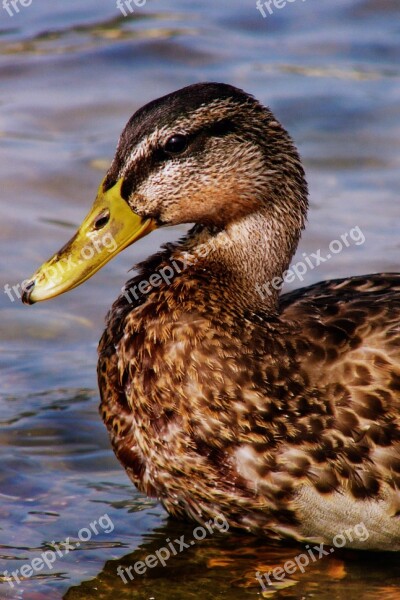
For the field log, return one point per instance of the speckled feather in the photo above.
(281, 414)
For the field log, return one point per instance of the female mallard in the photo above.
(280, 413)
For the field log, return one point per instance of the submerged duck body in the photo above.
(281, 413)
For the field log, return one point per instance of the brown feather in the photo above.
(282, 413)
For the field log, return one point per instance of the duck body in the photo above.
(279, 412)
(287, 424)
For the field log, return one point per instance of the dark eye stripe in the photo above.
(144, 165)
(138, 173)
(220, 128)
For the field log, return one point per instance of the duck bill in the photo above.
(109, 227)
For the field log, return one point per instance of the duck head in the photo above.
(208, 154)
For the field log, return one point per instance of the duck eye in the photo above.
(176, 144)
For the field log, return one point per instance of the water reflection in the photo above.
(214, 568)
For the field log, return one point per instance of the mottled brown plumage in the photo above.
(280, 413)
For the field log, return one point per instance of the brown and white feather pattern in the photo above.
(256, 416)
(282, 414)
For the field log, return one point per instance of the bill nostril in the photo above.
(102, 220)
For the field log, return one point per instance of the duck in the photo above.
(278, 411)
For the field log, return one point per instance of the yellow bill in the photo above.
(109, 227)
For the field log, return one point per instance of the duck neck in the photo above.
(250, 256)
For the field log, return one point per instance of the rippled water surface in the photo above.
(71, 74)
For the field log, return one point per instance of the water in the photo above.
(71, 75)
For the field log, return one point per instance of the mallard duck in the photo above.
(280, 412)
